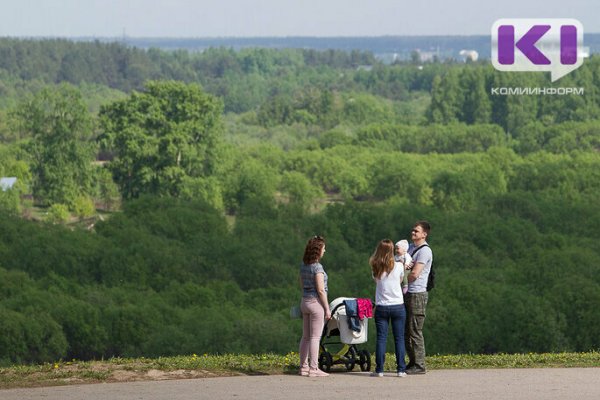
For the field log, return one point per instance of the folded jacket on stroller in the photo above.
(351, 331)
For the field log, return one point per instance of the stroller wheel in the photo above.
(325, 361)
(364, 360)
(351, 359)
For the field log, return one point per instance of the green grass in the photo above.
(194, 366)
(529, 360)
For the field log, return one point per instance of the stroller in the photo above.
(348, 354)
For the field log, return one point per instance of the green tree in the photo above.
(252, 181)
(477, 106)
(10, 201)
(11, 166)
(446, 99)
(23, 338)
(60, 149)
(162, 136)
(362, 108)
(107, 190)
(468, 188)
(299, 189)
(520, 109)
(276, 110)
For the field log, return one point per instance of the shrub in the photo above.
(58, 214)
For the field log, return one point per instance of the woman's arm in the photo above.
(322, 294)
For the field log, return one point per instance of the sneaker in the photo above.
(401, 374)
(416, 371)
(377, 374)
(303, 371)
(315, 373)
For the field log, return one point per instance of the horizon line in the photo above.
(246, 37)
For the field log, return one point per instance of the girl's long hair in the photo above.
(312, 252)
(382, 259)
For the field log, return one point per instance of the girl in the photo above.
(389, 302)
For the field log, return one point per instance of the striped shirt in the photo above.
(308, 275)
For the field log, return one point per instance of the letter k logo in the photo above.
(506, 44)
(543, 44)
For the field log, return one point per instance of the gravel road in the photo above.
(485, 384)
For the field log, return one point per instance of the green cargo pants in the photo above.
(416, 303)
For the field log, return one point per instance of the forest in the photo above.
(163, 198)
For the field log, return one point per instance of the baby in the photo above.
(401, 255)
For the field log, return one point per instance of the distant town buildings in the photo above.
(469, 55)
(425, 56)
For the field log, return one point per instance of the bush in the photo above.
(83, 207)
(58, 214)
(9, 201)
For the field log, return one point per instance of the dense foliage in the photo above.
(202, 255)
(168, 277)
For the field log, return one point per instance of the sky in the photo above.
(253, 18)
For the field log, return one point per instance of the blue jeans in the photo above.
(383, 315)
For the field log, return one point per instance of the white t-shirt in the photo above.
(424, 256)
(389, 290)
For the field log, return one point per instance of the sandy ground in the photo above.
(486, 384)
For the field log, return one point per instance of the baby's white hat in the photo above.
(403, 244)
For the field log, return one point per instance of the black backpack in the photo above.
(431, 277)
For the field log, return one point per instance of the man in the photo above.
(416, 298)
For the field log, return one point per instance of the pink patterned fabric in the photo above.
(365, 308)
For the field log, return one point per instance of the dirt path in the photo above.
(486, 384)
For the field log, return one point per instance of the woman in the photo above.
(389, 303)
(314, 306)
